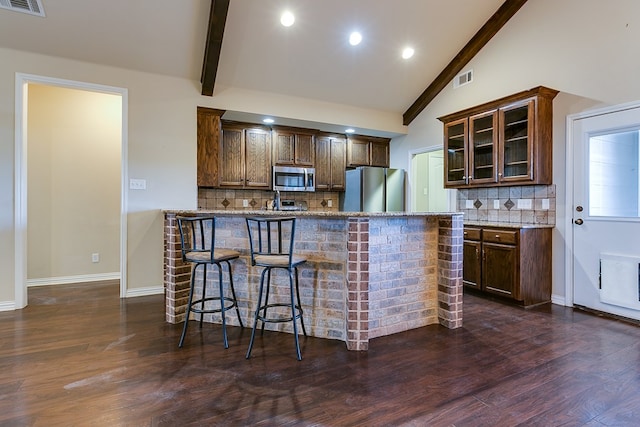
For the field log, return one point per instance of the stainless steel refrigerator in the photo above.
(371, 189)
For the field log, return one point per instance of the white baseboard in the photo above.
(141, 292)
(63, 280)
(7, 305)
(558, 300)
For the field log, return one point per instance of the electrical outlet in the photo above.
(524, 204)
(545, 204)
(496, 204)
(245, 203)
(95, 257)
(330, 203)
(469, 204)
(137, 184)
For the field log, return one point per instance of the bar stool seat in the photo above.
(271, 242)
(197, 236)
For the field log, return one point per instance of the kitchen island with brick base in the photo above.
(367, 274)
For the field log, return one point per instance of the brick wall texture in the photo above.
(365, 277)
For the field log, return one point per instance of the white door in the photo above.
(437, 195)
(606, 212)
(427, 183)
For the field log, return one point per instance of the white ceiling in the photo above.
(311, 59)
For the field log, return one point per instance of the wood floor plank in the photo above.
(79, 355)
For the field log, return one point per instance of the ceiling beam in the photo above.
(477, 42)
(213, 47)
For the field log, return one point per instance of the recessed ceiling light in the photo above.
(407, 52)
(268, 120)
(349, 130)
(287, 19)
(355, 38)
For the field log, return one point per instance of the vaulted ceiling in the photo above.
(311, 59)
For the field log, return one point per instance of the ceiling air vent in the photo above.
(32, 7)
(461, 79)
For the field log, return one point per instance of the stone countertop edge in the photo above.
(506, 225)
(306, 213)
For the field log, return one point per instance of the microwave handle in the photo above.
(305, 178)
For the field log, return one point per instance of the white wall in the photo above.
(74, 157)
(586, 49)
(162, 150)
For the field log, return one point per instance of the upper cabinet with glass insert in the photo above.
(504, 142)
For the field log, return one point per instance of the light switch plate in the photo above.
(496, 204)
(137, 184)
(545, 204)
(469, 204)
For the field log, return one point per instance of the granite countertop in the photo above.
(325, 214)
(506, 224)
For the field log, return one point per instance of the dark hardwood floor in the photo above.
(78, 355)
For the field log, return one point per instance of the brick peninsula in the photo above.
(367, 275)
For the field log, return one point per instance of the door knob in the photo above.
(579, 221)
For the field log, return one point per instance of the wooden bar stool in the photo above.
(271, 241)
(198, 236)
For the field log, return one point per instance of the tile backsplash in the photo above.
(211, 198)
(527, 204)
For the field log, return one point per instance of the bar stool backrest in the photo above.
(271, 237)
(197, 236)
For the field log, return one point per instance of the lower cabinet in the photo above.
(511, 262)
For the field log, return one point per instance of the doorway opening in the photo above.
(427, 192)
(59, 195)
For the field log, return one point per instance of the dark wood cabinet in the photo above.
(503, 142)
(330, 162)
(472, 258)
(293, 147)
(207, 149)
(241, 155)
(510, 262)
(367, 151)
(500, 269)
(245, 156)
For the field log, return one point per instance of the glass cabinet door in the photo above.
(483, 153)
(455, 141)
(516, 152)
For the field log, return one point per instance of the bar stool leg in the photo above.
(293, 316)
(186, 318)
(222, 309)
(304, 331)
(204, 291)
(266, 301)
(257, 313)
(233, 293)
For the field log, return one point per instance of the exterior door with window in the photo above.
(606, 212)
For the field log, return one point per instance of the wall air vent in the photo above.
(32, 7)
(463, 79)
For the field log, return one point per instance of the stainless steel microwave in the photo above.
(287, 178)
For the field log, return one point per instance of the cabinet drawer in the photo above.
(500, 236)
(472, 233)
